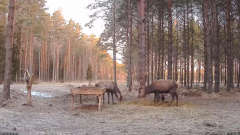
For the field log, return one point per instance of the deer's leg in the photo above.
(108, 96)
(163, 96)
(112, 97)
(176, 98)
(103, 97)
(115, 93)
(155, 96)
(80, 98)
(172, 94)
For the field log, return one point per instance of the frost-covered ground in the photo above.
(197, 113)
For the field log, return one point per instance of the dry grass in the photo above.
(205, 114)
(160, 104)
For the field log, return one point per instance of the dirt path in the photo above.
(51, 113)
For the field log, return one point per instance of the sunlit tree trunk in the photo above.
(54, 62)
(69, 60)
(72, 71)
(57, 63)
(31, 53)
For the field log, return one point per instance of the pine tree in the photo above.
(8, 46)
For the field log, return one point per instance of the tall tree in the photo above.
(192, 49)
(170, 42)
(8, 46)
(205, 45)
(129, 42)
(141, 47)
(114, 41)
(229, 47)
(209, 56)
(216, 47)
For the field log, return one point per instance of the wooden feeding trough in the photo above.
(87, 91)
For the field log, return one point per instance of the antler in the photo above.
(26, 71)
(26, 79)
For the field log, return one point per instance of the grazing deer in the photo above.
(112, 88)
(160, 86)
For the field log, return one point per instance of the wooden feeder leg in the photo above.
(99, 103)
(103, 98)
(72, 99)
(80, 96)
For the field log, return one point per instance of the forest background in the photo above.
(188, 41)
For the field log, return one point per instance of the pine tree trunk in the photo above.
(148, 45)
(129, 35)
(54, 62)
(159, 39)
(114, 42)
(68, 75)
(185, 50)
(238, 82)
(158, 44)
(57, 64)
(65, 68)
(31, 52)
(8, 46)
(187, 45)
(163, 47)
(181, 72)
(229, 48)
(205, 47)
(152, 48)
(209, 59)
(176, 56)
(141, 47)
(216, 48)
(192, 50)
(170, 46)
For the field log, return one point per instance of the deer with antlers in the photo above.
(28, 80)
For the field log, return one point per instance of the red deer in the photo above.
(159, 87)
(111, 87)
